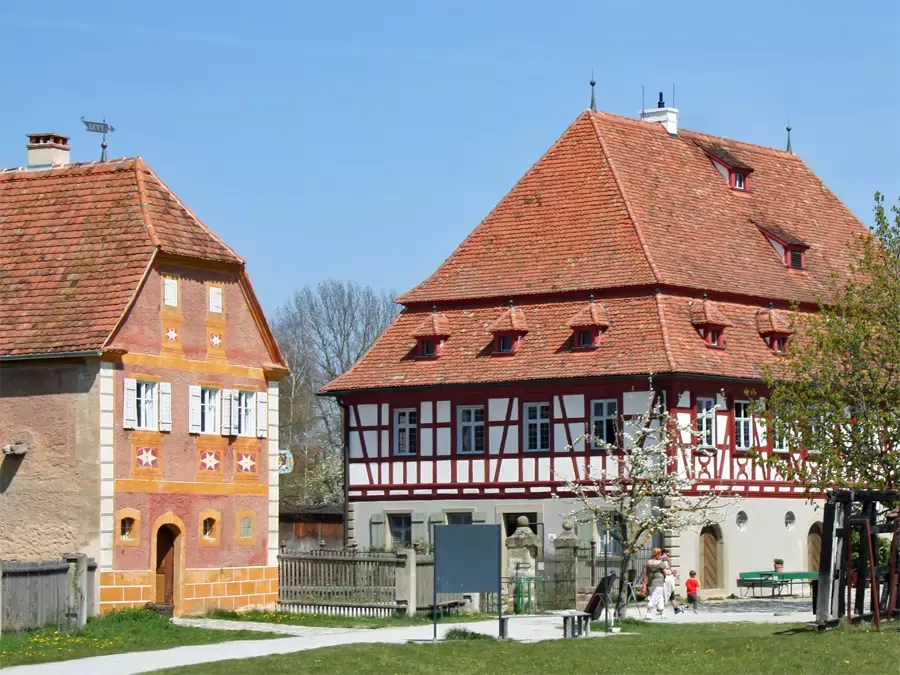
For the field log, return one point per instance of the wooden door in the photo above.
(814, 547)
(165, 566)
(709, 558)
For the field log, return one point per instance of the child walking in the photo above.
(692, 585)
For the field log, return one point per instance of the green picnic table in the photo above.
(772, 579)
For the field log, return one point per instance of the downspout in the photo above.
(345, 423)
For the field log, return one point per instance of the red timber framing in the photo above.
(440, 469)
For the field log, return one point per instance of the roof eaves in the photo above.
(615, 174)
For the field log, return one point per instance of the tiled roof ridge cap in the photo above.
(631, 216)
(113, 164)
(142, 200)
(664, 329)
(693, 135)
(141, 165)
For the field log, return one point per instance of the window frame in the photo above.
(462, 426)
(708, 414)
(174, 281)
(215, 536)
(406, 426)
(140, 404)
(389, 530)
(216, 411)
(581, 334)
(250, 432)
(537, 422)
(740, 177)
(456, 514)
(605, 419)
(746, 421)
(134, 538)
(427, 349)
(501, 343)
(239, 517)
(211, 290)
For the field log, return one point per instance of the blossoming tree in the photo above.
(646, 494)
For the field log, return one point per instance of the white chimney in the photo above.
(46, 150)
(668, 117)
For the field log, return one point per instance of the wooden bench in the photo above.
(576, 625)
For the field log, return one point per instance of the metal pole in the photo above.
(606, 578)
(434, 587)
(500, 585)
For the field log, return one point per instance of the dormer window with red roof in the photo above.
(774, 329)
(732, 169)
(508, 331)
(588, 325)
(431, 335)
(790, 248)
(709, 322)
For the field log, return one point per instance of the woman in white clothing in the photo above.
(654, 584)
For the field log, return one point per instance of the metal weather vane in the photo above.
(99, 128)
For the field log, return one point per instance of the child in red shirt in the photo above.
(691, 585)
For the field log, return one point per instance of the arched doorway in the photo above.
(710, 559)
(166, 564)
(814, 547)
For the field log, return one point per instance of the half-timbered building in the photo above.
(631, 248)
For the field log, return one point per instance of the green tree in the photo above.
(835, 395)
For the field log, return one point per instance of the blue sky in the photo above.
(362, 140)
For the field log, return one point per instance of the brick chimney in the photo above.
(46, 150)
(668, 117)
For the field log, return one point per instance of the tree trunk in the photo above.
(622, 600)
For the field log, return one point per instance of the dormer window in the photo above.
(509, 330)
(795, 258)
(738, 180)
(790, 248)
(588, 325)
(726, 162)
(431, 335)
(774, 329)
(709, 322)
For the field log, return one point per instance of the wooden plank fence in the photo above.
(56, 593)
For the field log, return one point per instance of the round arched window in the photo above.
(789, 520)
(741, 521)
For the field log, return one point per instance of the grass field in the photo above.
(129, 630)
(699, 649)
(333, 621)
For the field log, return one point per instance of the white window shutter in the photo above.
(215, 299)
(129, 417)
(235, 413)
(194, 415)
(170, 291)
(165, 406)
(262, 413)
(227, 413)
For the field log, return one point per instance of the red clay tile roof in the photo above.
(781, 234)
(434, 325)
(723, 154)
(512, 319)
(770, 321)
(705, 313)
(74, 244)
(593, 315)
(620, 207)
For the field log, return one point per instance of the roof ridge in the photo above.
(24, 171)
(628, 209)
(138, 167)
(187, 210)
(758, 146)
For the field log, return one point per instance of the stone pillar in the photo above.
(405, 581)
(521, 554)
(76, 583)
(566, 565)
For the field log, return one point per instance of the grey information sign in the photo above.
(467, 559)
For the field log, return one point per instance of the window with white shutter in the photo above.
(215, 299)
(165, 406)
(244, 413)
(262, 414)
(194, 416)
(236, 415)
(209, 410)
(129, 416)
(227, 410)
(145, 406)
(170, 291)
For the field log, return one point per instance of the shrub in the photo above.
(465, 634)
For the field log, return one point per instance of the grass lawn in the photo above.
(332, 621)
(128, 630)
(699, 649)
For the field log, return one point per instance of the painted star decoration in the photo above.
(172, 334)
(210, 461)
(216, 340)
(246, 463)
(146, 457)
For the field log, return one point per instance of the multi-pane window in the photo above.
(145, 405)
(246, 528)
(245, 408)
(471, 429)
(780, 443)
(504, 343)
(739, 181)
(706, 422)
(537, 426)
(209, 410)
(400, 526)
(743, 420)
(604, 423)
(405, 431)
(459, 518)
